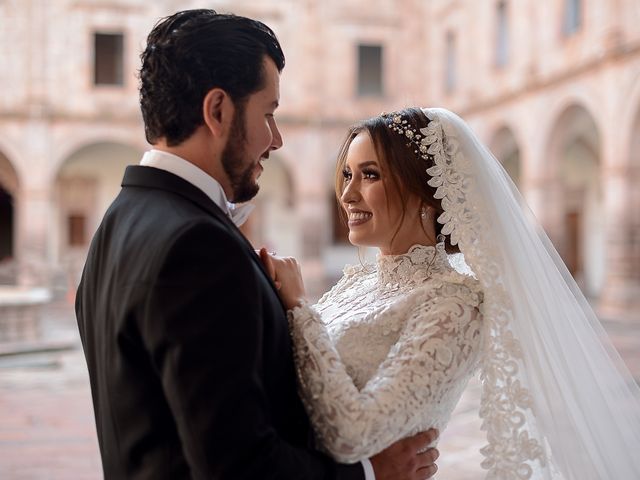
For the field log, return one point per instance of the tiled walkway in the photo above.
(46, 419)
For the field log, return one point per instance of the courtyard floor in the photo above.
(47, 430)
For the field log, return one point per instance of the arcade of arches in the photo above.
(580, 199)
(582, 202)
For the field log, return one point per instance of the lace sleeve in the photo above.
(437, 346)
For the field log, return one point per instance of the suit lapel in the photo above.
(150, 177)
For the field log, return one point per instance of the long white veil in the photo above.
(557, 400)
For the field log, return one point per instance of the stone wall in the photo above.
(550, 103)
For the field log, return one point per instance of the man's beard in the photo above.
(243, 187)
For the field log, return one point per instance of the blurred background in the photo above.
(553, 88)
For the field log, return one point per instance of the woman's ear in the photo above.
(217, 112)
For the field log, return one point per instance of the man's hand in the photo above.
(408, 459)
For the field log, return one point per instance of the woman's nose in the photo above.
(350, 193)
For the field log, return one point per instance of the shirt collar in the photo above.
(198, 178)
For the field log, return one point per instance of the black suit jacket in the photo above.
(187, 345)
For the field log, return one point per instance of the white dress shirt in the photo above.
(198, 178)
(212, 188)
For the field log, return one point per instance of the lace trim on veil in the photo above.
(506, 405)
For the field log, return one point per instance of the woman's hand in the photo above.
(285, 273)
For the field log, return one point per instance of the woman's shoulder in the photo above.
(463, 288)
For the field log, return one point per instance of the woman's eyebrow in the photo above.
(366, 164)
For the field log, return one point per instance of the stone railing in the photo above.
(20, 310)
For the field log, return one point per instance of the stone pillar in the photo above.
(545, 198)
(314, 225)
(33, 223)
(621, 293)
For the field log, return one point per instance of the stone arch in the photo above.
(273, 222)
(574, 195)
(9, 180)
(9, 199)
(85, 184)
(629, 108)
(573, 121)
(506, 148)
(69, 146)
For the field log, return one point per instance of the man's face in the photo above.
(253, 135)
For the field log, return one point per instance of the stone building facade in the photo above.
(552, 87)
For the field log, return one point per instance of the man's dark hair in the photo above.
(191, 52)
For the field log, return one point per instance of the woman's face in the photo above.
(373, 215)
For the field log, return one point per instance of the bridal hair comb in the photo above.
(416, 138)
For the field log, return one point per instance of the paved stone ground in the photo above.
(47, 430)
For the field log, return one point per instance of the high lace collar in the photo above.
(419, 263)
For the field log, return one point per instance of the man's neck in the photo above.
(195, 150)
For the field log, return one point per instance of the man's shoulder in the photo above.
(149, 223)
(158, 208)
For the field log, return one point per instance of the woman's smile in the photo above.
(359, 217)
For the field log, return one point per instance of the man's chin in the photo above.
(246, 193)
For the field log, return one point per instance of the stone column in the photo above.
(33, 215)
(545, 197)
(541, 187)
(314, 223)
(621, 293)
(33, 223)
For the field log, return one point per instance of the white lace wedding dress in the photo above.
(388, 351)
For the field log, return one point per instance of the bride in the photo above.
(465, 280)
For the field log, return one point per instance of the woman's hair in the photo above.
(404, 169)
(191, 52)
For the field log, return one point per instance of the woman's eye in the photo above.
(370, 174)
(346, 174)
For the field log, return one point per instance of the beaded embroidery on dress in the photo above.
(388, 351)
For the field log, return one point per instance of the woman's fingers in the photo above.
(286, 275)
(267, 261)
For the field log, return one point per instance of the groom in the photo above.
(185, 338)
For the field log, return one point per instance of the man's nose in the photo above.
(276, 141)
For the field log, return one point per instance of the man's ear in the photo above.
(217, 112)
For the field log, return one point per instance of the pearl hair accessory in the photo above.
(416, 137)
